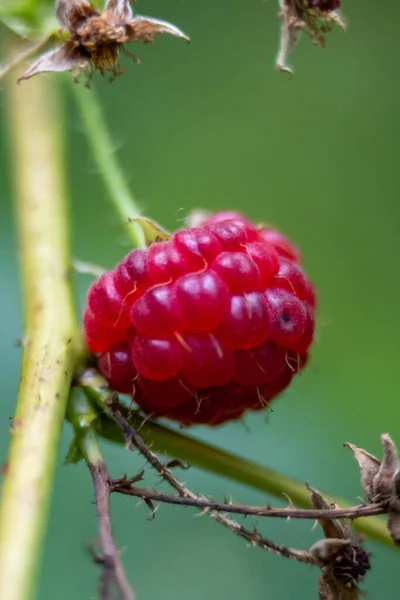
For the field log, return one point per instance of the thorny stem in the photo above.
(134, 440)
(109, 168)
(355, 512)
(51, 338)
(256, 539)
(210, 458)
(113, 575)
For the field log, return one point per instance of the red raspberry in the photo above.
(280, 243)
(211, 323)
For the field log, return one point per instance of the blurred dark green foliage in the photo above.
(213, 125)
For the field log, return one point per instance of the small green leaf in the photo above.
(81, 412)
(153, 232)
(74, 454)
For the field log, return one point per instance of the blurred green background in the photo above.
(213, 125)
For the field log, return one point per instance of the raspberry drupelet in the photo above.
(202, 327)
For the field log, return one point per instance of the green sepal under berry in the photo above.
(82, 415)
(152, 231)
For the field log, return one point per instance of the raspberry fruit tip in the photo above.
(202, 327)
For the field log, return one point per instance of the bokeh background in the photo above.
(213, 125)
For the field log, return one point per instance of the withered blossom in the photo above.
(315, 17)
(343, 561)
(96, 37)
(381, 480)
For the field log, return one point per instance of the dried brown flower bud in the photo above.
(396, 483)
(384, 482)
(343, 561)
(331, 528)
(378, 478)
(369, 466)
(394, 510)
(97, 37)
(381, 480)
(346, 563)
(394, 524)
(330, 589)
(325, 550)
(315, 17)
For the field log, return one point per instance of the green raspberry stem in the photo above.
(109, 169)
(51, 343)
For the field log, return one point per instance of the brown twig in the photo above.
(113, 578)
(124, 486)
(113, 574)
(134, 440)
(166, 440)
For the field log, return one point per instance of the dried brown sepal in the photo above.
(379, 478)
(340, 555)
(58, 60)
(394, 523)
(315, 17)
(394, 510)
(396, 484)
(381, 481)
(344, 563)
(331, 589)
(96, 37)
(384, 481)
(120, 8)
(143, 29)
(369, 466)
(325, 550)
(331, 528)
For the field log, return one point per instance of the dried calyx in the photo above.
(381, 480)
(97, 37)
(315, 17)
(343, 561)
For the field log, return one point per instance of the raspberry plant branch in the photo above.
(109, 169)
(83, 417)
(134, 441)
(210, 458)
(340, 556)
(113, 575)
(355, 512)
(51, 337)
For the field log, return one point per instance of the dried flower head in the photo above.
(315, 17)
(343, 561)
(378, 477)
(96, 37)
(381, 480)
